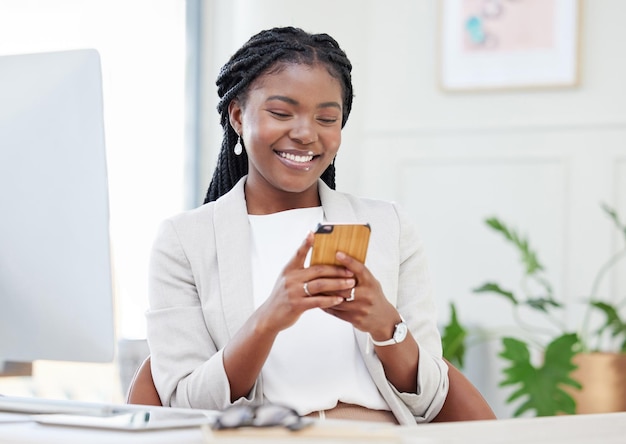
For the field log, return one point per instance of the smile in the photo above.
(297, 158)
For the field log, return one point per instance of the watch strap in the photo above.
(383, 343)
(393, 340)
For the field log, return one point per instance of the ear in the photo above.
(235, 113)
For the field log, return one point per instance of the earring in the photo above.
(238, 147)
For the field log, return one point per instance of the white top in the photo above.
(316, 362)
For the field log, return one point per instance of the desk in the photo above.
(607, 428)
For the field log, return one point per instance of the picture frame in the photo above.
(508, 44)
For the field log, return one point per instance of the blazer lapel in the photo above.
(232, 240)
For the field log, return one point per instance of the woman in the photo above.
(236, 315)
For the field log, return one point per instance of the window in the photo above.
(142, 49)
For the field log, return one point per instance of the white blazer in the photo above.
(200, 291)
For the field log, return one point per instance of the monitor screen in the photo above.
(55, 264)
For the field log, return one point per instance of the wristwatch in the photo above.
(399, 334)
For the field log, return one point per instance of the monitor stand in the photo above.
(10, 368)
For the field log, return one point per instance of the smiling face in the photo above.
(290, 123)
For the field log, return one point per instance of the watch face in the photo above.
(400, 333)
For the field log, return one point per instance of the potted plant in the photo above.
(573, 363)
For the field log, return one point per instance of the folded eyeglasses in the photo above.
(266, 415)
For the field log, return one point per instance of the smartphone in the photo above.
(329, 238)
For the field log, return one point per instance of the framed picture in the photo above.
(501, 44)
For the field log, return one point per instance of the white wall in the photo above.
(541, 160)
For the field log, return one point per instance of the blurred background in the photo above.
(539, 151)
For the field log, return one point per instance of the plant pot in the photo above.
(603, 377)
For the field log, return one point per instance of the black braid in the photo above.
(263, 52)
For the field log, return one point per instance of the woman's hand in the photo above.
(246, 352)
(289, 299)
(370, 311)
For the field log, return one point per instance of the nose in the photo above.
(303, 132)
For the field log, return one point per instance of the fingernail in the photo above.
(350, 282)
(341, 255)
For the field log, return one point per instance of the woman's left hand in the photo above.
(369, 311)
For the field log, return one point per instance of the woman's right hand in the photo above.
(246, 352)
(289, 299)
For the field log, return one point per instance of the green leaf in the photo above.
(613, 322)
(453, 339)
(542, 304)
(529, 257)
(492, 287)
(540, 388)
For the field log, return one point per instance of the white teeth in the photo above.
(295, 158)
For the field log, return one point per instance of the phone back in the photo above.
(351, 239)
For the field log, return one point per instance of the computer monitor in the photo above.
(55, 265)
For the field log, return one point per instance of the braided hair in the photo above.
(263, 53)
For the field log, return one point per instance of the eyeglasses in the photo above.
(266, 415)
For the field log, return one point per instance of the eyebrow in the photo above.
(291, 101)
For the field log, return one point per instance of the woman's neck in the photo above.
(260, 203)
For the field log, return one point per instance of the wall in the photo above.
(541, 160)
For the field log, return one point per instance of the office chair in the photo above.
(142, 389)
(464, 401)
